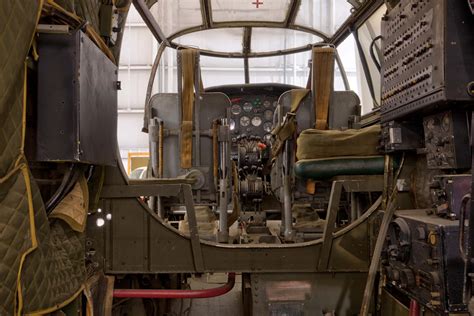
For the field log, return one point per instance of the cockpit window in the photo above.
(248, 22)
(255, 10)
(287, 69)
(273, 39)
(325, 16)
(221, 71)
(174, 16)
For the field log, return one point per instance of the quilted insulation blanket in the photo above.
(41, 260)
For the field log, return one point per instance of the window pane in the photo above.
(323, 15)
(367, 32)
(290, 69)
(249, 10)
(272, 39)
(222, 71)
(176, 15)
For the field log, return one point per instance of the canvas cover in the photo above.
(316, 144)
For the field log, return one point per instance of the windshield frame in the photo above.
(361, 11)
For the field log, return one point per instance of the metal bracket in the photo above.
(361, 184)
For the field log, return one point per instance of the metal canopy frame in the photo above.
(287, 23)
(358, 17)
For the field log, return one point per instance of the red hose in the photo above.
(414, 308)
(147, 293)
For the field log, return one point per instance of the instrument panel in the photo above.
(252, 107)
(253, 115)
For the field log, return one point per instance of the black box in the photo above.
(422, 260)
(77, 101)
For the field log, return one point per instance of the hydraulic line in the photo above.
(414, 308)
(206, 293)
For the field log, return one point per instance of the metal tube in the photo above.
(288, 219)
(353, 207)
(206, 293)
(161, 139)
(223, 234)
(153, 137)
(150, 21)
(155, 126)
(215, 152)
(197, 108)
(151, 81)
(342, 70)
(414, 308)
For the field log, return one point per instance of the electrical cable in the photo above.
(372, 54)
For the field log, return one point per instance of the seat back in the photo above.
(212, 106)
(344, 105)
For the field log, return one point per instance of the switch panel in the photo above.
(446, 146)
(424, 42)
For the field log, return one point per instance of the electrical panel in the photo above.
(428, 56)
(447, 140)
(422, 260)
(76, 118)
(447, 193)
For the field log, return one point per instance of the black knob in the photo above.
(407, 278)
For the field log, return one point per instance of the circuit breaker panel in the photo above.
(426, 44)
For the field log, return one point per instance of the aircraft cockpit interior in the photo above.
(303, 157)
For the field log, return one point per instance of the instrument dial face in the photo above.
(247, 106)
(267, 104)
(268, 115)
(267, 127)
(256, 121)
(236, 109)
(244, 121)
(231, 124)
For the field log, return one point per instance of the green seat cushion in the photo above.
(320, 169)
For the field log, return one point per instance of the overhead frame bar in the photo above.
(353, 22)
(150, 21)
(246, 48)
(206, 13)
(294, 6)
(236, 24)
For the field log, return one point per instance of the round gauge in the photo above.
(231, 124)
(267, 104)
(256, 121)
(268, 115)
(267, 127)
(247, 106)
(244, 121)
(267, 137)
(236, 109)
